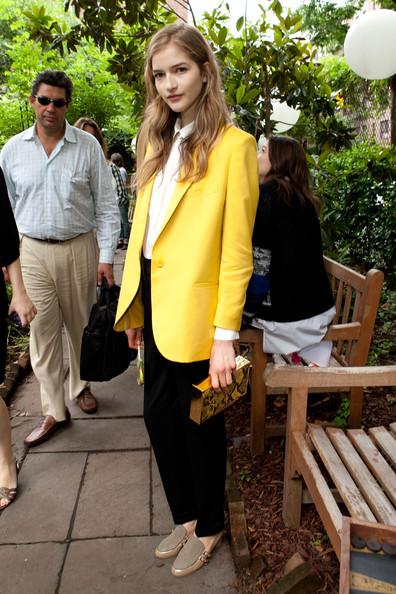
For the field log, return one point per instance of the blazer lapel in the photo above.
(178, 193)
(143, 206)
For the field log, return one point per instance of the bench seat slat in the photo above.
(372, 492)
(386, 442)
(375, 461)
(346, 487)
(321, 494)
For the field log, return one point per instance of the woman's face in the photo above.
(178, 80)
(264, 162)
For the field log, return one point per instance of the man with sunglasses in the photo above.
(61, 191)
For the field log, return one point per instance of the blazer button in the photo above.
(160, 263)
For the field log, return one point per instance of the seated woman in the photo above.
(289, 295)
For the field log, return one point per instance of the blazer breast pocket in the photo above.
(196, 192)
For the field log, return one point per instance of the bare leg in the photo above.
(7, 461)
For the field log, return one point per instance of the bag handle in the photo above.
(104, 293)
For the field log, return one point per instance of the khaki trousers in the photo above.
(61, 281)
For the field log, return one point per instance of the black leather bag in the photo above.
(104, 352)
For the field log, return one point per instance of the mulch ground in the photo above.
(260, 481)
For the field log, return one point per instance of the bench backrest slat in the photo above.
(356, 300)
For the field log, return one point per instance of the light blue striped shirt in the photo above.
(63, 195)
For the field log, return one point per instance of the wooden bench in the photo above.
(356, 300)
(361, 467)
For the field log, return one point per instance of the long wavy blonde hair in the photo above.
(212, 115)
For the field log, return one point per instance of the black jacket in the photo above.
(9, 252)
(299, 286)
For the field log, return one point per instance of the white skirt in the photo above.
(290, 337)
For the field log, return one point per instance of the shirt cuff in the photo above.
(224, 334)
(106, 256)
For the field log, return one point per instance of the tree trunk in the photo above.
(393, 110)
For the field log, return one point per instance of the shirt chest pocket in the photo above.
(71, 186)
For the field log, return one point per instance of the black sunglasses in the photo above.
(46, 101)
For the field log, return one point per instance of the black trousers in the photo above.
(191, 458)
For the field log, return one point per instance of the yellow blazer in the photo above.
(202, 259)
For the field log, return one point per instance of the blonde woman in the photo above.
(188, 264)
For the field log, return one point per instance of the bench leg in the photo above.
(258, 400)
(292, 486)
(355, 408)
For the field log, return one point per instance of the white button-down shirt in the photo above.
(163, 187)
(65, 194)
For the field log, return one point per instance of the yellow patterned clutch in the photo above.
(208, 403)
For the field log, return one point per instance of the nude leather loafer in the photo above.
(171, 545)
(193, 556)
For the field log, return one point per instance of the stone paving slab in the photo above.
(47, 493)
(115, 497)
(31, 569)
(26, 399)
(121, 397)
(91, 434)
(162, 522)
(128, 566)
(20, 428)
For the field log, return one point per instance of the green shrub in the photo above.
(358, 190)
(383, 348)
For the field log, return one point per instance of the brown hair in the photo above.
(289, 169)
(212, 113)
(117, 159)
(83, 122)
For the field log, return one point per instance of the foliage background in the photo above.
(97, 92)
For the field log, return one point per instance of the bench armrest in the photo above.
(317, 377)
(349, 331)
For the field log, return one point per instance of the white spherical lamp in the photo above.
(284, 116)
(370, 45)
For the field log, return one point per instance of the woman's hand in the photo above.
(22, 305)
(135, 337)
(222, 363)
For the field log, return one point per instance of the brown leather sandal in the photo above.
(8, 494)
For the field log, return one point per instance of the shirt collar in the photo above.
(30, 133)
(70, 133)
(185, 131)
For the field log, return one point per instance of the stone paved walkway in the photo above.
(90, 507)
